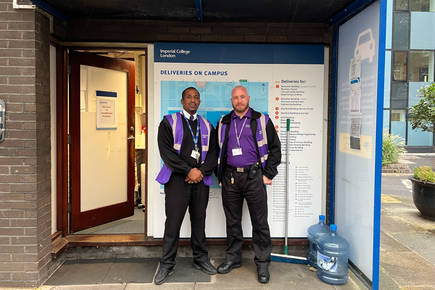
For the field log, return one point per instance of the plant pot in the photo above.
(423, 194)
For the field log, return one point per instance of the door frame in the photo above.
(62, 152)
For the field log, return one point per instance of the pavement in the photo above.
(407, 255)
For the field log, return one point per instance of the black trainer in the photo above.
(206, 267)
(162, 275)
(263, 275)
(227, 266)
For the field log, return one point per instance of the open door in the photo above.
(102, 140)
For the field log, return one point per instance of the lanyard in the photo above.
(195, 138)
(241, 130)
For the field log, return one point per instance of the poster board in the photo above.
(285, 81)
(356, 183)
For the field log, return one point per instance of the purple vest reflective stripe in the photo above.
(261, 136)
(175, 120)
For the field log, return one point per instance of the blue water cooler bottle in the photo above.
(332, 258)
(314, 232)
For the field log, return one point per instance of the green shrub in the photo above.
(424, 173)
(392, 146)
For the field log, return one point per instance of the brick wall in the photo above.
(25, 233)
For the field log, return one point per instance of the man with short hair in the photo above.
(188, 148)
(250, 152)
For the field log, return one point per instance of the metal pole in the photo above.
(287, 187)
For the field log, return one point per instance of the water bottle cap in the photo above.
(321, 217)
(333, 227)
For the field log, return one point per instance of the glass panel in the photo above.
(387, 81)
(386, 122)
(400, 64)
(399, 95)
(419, 138)
(422, 31)
(401, 28)
(421, 68)
(398, 123)
(401, 5)
(422, 5)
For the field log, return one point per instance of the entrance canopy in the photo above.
(298, 11)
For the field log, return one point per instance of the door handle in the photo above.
(131, 137)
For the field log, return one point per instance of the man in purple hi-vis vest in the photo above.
(250, 152)
(188, 147)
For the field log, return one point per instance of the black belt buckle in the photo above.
(253, 170)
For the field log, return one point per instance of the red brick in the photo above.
(11, 232)
(12, 266)
(21, 44)
(10, 53)
(21, 25)
(276, 38)
(11, 161)
(233, 38)
(11, 196)
(23, 223)
(21, 80)
(200, 30)
(10, 34)
(178, 29)
(255, 38)
(211, 38)
(24, 257)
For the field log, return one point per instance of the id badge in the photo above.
(237, 151)
(194, 154)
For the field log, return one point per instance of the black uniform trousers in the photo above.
(254, 191)
(181, 195)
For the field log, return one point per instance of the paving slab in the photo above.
(422, 243)
(389, 244)
(396, 224)
(81, 272)
(408, 269)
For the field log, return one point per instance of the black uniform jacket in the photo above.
(273, 143)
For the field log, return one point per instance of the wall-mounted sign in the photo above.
(106, 110)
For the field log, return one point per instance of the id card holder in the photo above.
(194, 154)
(237, 151)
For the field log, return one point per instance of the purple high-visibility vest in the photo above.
(260, 136)
(175, 120)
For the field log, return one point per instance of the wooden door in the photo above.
(101, 126)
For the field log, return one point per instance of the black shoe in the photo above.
(227, 266)
(206, 267)
(162, 275)
(263, 275)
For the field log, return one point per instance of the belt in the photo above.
(238, 169)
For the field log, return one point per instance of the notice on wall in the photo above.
(284, 81)
(106, 110)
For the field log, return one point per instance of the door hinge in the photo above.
(69, 208)
(69, 139)
(68, 69)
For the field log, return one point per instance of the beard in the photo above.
(241, 109)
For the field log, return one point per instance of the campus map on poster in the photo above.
(282, 81)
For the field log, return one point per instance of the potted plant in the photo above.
(422, 116)
(423, 191)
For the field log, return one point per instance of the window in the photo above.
(401, 5)
(400, 63)
(398, 123)
(399, 96)
(401, 30)
(423, 5)
(421, 67)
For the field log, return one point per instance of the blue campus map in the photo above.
(215, 99)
